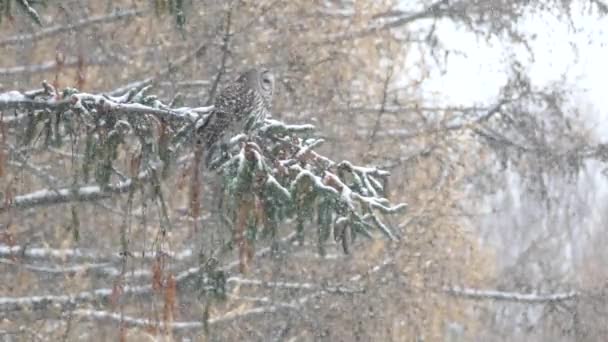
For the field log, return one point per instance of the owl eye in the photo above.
(267, 83)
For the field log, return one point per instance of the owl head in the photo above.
(262, 80)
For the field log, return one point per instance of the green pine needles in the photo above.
(271, 179)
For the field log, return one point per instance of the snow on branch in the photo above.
(295, 304)
(529, 298)
(45, 302)
(276, 164)
(103, 268)
(25, 4)
(283, 172)
(291, 285)
(130, 321)
(16, 100)
(79, 254)
(79, 194)
(87, 102)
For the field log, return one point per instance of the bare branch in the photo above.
(225, 54)
(179, 62)
(70, 62)
(80, 24)
(376, 26)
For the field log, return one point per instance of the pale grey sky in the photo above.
(579, 52)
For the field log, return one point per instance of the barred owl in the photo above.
(239, 107)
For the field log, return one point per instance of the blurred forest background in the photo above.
(502, 238)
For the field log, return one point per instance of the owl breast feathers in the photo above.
(239, 107)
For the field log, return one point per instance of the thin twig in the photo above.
(225, 54)
(57, 29)
(161, 75)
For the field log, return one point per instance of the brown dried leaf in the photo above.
(157, 275)
(170, 299)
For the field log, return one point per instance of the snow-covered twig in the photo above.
(230, 316)
(103, 294)
(529, 298)
(136, 108)
(130, 321)
(356, 278)
(38, 171)
(84, 193)
(78, 254)
(291, 285)
(175, 326)
(278, 127)
(70, 269)
(16, 100)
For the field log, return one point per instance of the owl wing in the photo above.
(214, 127)
(233, 109)
(219, 120)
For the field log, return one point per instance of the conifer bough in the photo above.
(268, 177)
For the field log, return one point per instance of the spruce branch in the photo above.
(277, 164)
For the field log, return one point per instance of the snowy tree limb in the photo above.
(16, 100)
(295, 304)
(528, 298)
(115, 317)
(59, 270)
(291, 285)
(78, 254)
(79, 194)
(44, 302)
(291, 178)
